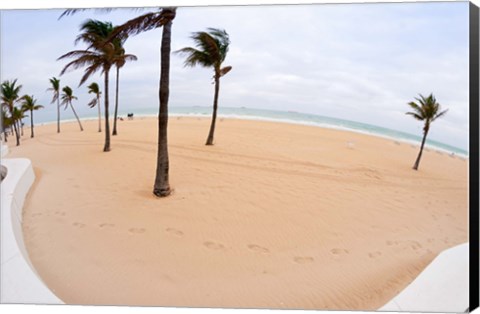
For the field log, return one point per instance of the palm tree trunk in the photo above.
(58, 114)
(417, 162)
(17, 136)
(99, 115)
(161, 187)
(215, 107)
(116, 104)
(20, 123)
(75, 113)
(106, 147)
(31, 123)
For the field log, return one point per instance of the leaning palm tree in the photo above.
(17, 116)
(67, 98)
(29, 104)
(100, 55)
(56, 97)
(10, 95)
(210, 52)
(152, 20)
(427, 110)
(94, 89)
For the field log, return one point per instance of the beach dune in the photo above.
(274, 215)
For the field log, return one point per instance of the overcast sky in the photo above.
(361, 62)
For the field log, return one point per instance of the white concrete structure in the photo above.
(3, 150)
(19, 282)
(443, 286)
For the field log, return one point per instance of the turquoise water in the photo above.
(299, 118)
(316, 120)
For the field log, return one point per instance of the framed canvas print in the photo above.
(303, 156)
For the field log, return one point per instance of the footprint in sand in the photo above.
(415, 245)
(338, 252)
(60, 213)
(174, 231)
(106, 225)
(37, 215)
(213, 245)
(137, 230)
(258, 248)
(303, 259)
(79, 224)
(374, 254)
(390, 242)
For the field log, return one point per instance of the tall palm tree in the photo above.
(210, 52)
(163, 17)
(94, 89)
(428, 110)
(100, 55)
(56, 97)
(29, 104)
(152, 20)
(120, 59)
(11, 95)
(67, 98)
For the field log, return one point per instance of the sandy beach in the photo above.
(273, 215)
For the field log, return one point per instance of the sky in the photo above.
(360, 62)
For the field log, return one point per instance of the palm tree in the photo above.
(120, 59)
(94, 89)
(211, 50)
(101, 57)
(17, 116)
(56, 97)
(67, 98)
(29, 104)
(152, 20)
(10, 95)
(427, 110)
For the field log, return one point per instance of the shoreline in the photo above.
(268, 217)
(294, 122)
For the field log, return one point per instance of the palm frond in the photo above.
(75, 11)
(415, 115)
(92, 102)
(441, 114)
(142, 23)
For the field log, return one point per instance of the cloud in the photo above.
(359, 62)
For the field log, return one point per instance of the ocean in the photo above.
(298, 118)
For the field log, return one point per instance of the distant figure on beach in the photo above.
(130, 116)
(120, 118)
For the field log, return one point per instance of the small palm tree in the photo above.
(11, 95)
(94, 89)
(210, 52)
(29, 104)
(17, 116)
(427, 110)
(56, 97)
(120, 59)
(67, 98)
